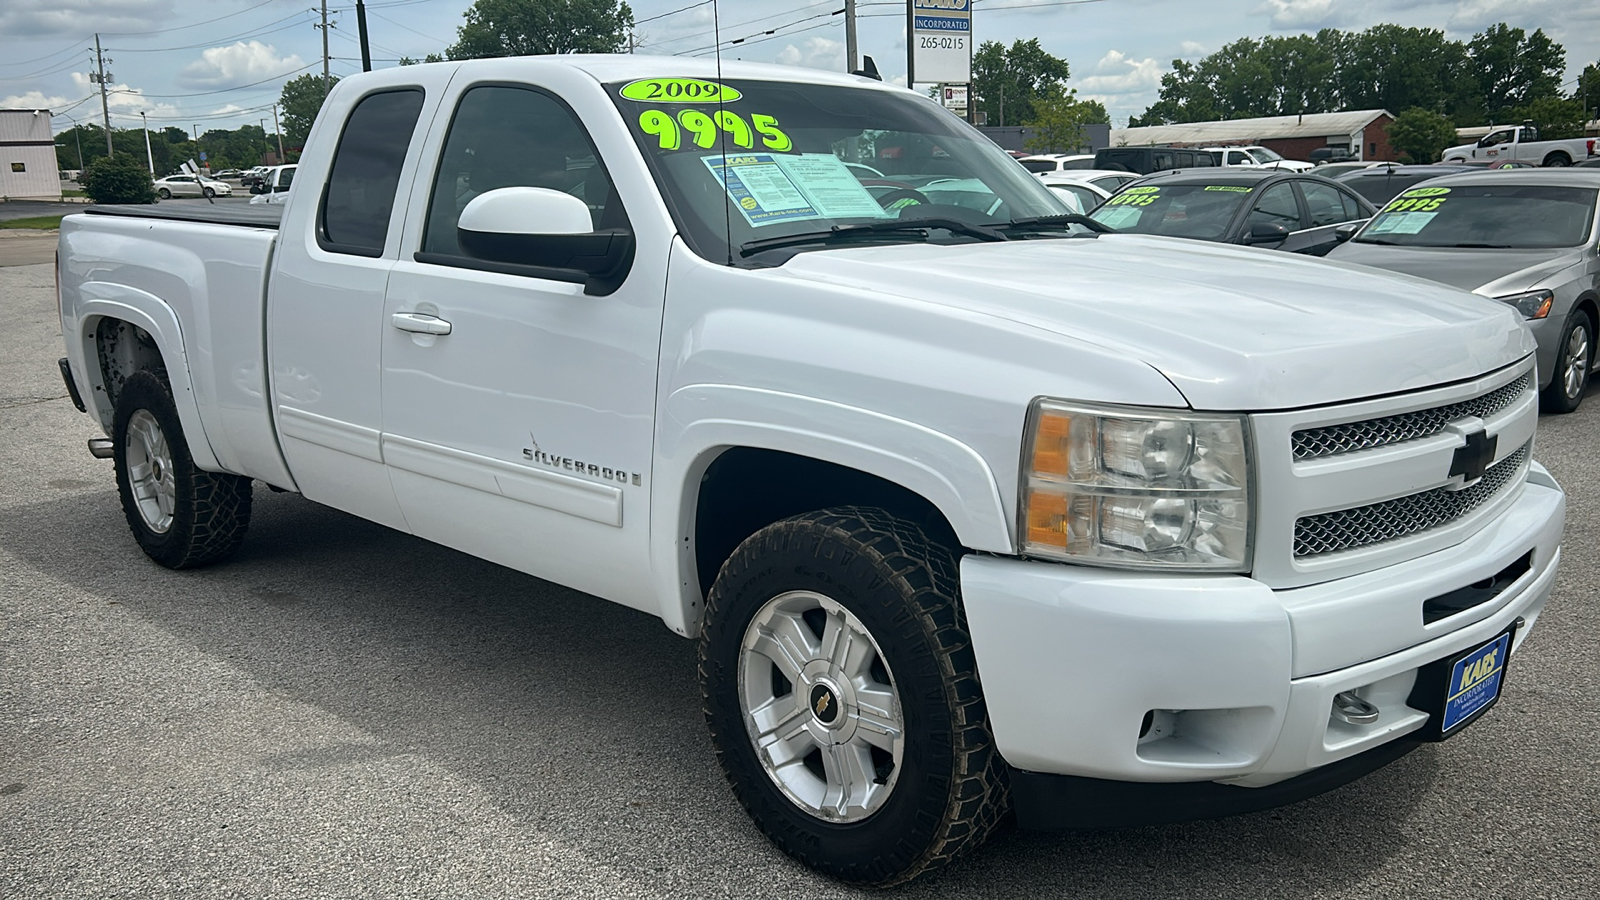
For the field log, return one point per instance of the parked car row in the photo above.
(1501, 228)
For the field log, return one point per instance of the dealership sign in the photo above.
(941, 40)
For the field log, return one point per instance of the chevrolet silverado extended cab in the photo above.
(971, 505)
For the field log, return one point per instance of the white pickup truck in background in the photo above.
(971, 506)
(1522, 142)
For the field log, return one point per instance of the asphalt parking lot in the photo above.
(344, 711)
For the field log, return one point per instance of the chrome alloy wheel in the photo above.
(820, 706)
(150, 471)
(1577, 361)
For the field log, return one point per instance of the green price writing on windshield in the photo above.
(1416, 204)
(679, 90)
(1130, 199)
(703, 128)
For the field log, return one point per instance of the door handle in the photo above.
(418, 323)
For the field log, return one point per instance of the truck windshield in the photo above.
(742, 161)
(1485, 216)
(1265, 156)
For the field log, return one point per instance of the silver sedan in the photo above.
(1527, 237)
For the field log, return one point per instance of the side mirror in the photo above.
(546, 234)
(280, 188)
(1266, 233)
(258, 188)
(1346, 231)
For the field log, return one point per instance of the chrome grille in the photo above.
(1362, 526)
(1313, 443)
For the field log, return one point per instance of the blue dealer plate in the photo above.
(1475, 682)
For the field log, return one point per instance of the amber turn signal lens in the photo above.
(1051, 454)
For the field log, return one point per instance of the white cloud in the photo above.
(814, 53)
(38, 18)
(34, 100)
(236, 64)
(1193, 50)
(1296, 15)
(1117, 75)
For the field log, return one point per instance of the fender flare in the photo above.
(710, 419)
(103, 300)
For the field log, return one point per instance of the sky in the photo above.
(223, 63)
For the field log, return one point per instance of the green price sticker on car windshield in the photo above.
(1135, 197)
(1142, 190)
(1419, 200)
(1230, 188)
(1426, 192)
(703, 126)
(679, 90)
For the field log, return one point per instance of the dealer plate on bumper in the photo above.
(1459, 688)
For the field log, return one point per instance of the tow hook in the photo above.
(1354, 710)
(100, 448)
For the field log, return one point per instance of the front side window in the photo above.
(747, 161)
(1276, 206)
(1325, 204)
(354, 217)
(503, 136)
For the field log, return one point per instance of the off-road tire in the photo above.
(210, 511)
(1558, 396)
(951, 788)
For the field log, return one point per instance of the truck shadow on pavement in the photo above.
(581, 719)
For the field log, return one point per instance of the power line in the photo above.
(22, 62)
(638, 22)
(192, 24)
(766, 35)
(253, 32)
(701, 33)
(237, 87)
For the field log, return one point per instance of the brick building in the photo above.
(1363, 132)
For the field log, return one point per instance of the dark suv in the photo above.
(1145, 160)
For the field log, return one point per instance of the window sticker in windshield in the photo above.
(703, 128)
(1231, 188)
(679, 90)
(1401, 222)
(768, 188)
(1135, 196)
(1118, 218)
(1418, 200)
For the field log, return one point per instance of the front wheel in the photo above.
(181, 516)
(164, 194)
(842, 695)
(208, 192)
(1571, 375)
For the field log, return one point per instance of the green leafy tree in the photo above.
(1587, 91)
(302, 100)
(1008, 82)
(1557, 118)
(1514, 68)
(1394, 67)
(1058, 122)
(1421, 134)
(1273, 76)
(122, 178)
(533, 27)
(430, 58)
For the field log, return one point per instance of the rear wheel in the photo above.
(1571, 375)
(843, 700)
(164, 194)
(1558, 159)
(181, 516)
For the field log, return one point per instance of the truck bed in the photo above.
(251, 215)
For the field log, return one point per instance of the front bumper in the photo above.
(1137, 677)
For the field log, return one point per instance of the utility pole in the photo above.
(850, 59)
(101, 76)
(264, 134)
(196, 138)
(279, 132)
(149, 158)
(324, 26)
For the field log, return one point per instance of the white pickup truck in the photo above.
(1522, 142)
(971, 506)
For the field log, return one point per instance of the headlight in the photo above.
(1135, 488)
(1532, 304)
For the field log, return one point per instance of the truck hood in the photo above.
(1230, 327)
(1492, 273)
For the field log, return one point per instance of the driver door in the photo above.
(518, 411)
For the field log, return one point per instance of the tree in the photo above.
(533, 27)
(430, 58)
(118, 179)
(1008, 82)
(1059, 119)
(1421, 134)
(1514, 68)
(1557, 118)
(302, 99)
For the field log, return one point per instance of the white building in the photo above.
(28, 155)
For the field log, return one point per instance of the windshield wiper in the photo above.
(1055, 223)
(915, 229)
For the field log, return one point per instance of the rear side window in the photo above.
(1039, 165)
(356, 203)
(1325, 204)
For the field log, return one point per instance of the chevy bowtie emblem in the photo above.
(822, 703)
(1472, 459)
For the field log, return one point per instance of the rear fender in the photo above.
(99, 300)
